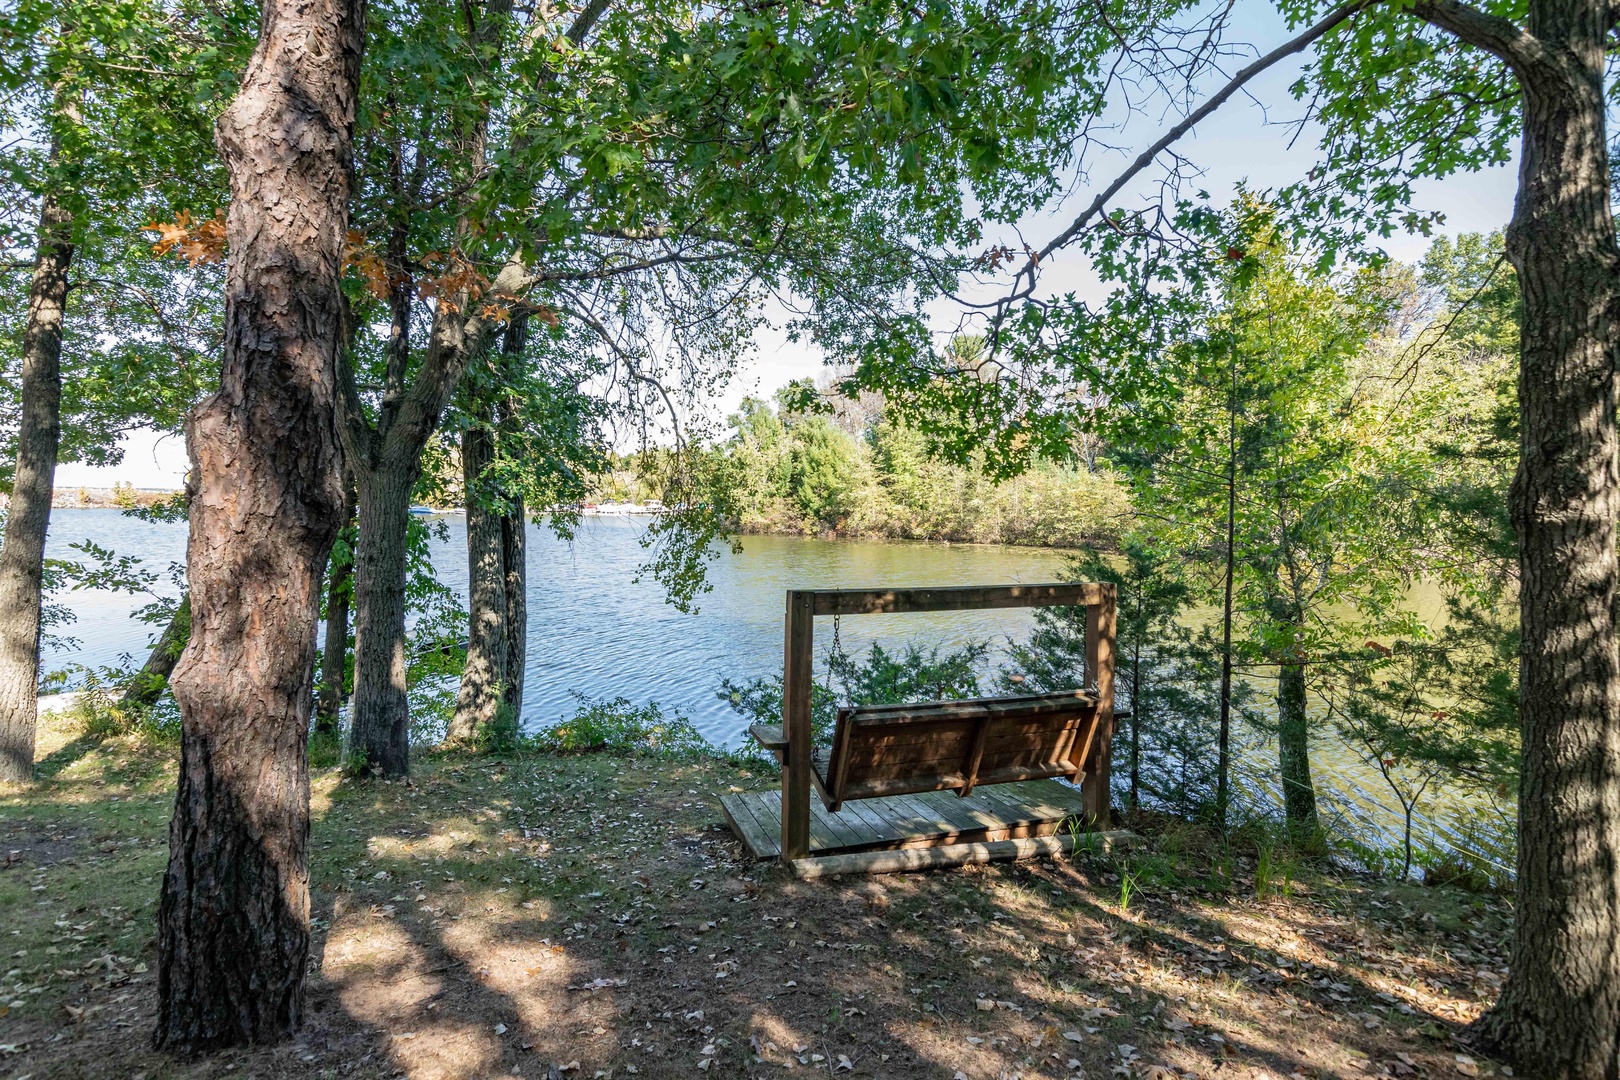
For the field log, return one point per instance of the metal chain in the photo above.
(835, 649)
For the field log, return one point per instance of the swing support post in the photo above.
(796, 675)
(795, 740)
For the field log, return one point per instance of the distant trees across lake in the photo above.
(859, 472)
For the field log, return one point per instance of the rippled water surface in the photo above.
(595, 630)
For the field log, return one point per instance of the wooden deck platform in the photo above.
(927, 819)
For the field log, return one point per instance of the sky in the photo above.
(1246, 141)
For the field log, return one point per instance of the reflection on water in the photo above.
(595, 630)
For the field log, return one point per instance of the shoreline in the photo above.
(116, 497)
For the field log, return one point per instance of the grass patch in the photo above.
(501, 916)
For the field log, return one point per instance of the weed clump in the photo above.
(616, 726)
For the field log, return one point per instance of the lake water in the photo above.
(595, 630)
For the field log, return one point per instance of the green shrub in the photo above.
(618, 727)
(99, 713)
(911, 675)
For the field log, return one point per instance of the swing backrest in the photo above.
(881, 750)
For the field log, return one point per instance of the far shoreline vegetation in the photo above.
(810, 463)
(848, 471)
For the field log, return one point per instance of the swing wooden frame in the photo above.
(1089, 744)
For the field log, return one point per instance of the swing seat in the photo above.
(884, 750)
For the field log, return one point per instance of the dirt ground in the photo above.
(592, 917)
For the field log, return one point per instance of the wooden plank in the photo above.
(922, 818)
(767, 810)
(769, 736)
(907, 784)
(797, 664)
(998, 728)
(910, 821)
(916, 741)
(952, 746)
(820, 835)
(1027, 801)
(759, 840)
(838, 764)
(949, 855)
(877, 827)
(957, 745)
(1009, 811)
(1020, 805)
(917, 763)
(952, 598)
(1028, 755)
(846, 831)
(817, 836)
(966, 814)
(969, 708)
(975, 757)
(928, 858)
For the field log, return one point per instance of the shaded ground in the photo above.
(590, 917)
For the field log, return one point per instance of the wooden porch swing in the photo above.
(886, 783)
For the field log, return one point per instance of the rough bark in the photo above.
(380, 726)
(1559, 1012)
(1223, 746)
(335, 653)
(233, 922)
(39, 431)
(1137, 707)
(484, 675)
(149, 683)
(497, 603)
(514, 539)
(514, 552)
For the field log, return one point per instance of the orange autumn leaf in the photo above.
(460, 279)
(195, 241)
(368, 264)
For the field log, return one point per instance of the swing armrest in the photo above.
(770, 736)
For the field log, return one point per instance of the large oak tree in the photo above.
(233, 924)
(1403, 90)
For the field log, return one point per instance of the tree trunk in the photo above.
(1136, 726)
(233, 922)
(1293, 748)
(1223, 749)
(149, 683)
(381, 729)
(514, 542)
(39, 431)
(335, 654)
(484, 677)
(1559, 1013)
(497, 568)
(514, 546)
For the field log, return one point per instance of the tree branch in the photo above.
(586, 19)
(1496, 35)
(1237, 82)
